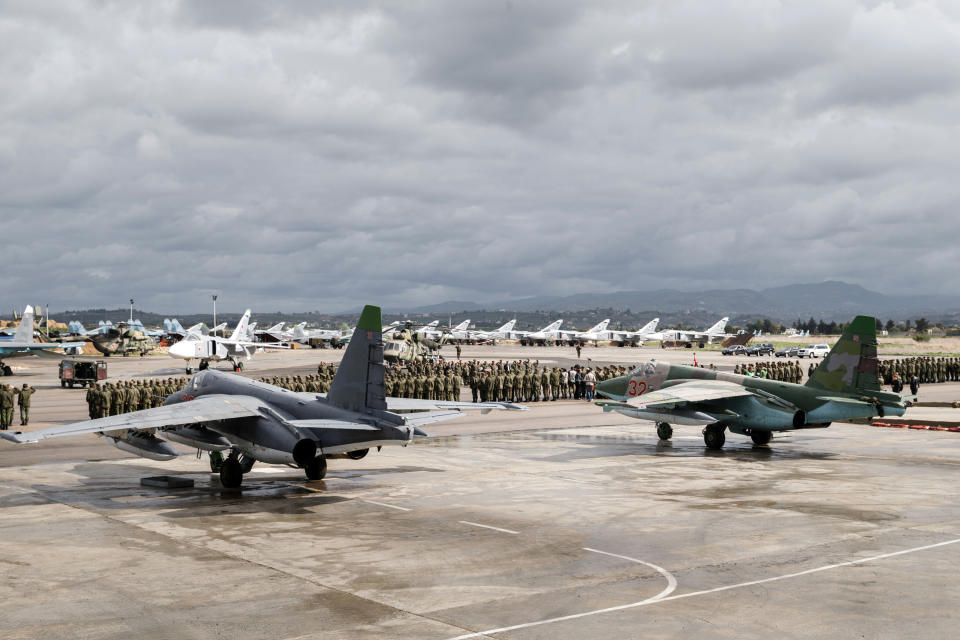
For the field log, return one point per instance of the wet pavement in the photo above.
(561, 522)
(471, 533)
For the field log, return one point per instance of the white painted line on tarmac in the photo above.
(659, 598)
(671, 580)
(486, 526)
(384, 504)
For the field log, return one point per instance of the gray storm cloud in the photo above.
(302, 155)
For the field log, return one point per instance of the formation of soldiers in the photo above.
(783, 371)
(319, 383)
(10, 394)
(518, 381)
(114, 398)
(927, 369)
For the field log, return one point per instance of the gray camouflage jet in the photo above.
(254, 421)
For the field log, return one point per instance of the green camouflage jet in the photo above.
(843, 387)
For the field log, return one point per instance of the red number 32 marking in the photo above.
(636, 387)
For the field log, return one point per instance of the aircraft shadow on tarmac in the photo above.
(107, 487)
(608, 446)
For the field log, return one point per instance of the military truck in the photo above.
(85, 373)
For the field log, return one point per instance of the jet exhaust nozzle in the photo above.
(304, 452)
(799, 419)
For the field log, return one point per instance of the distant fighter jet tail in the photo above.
(600, 327)
(650, 327)
(240, 333)
(719, 327)
(507, 327)
(358, 385)
(851, 366)
(24, 332)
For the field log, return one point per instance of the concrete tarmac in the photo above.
(560, 522)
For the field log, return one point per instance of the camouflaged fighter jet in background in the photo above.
(843, 387)
(256, 421)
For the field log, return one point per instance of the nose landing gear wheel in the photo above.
(761, 437)
(714, 437)
(664, 431)
(317, 468)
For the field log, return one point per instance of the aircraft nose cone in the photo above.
(614, 387)
(180, 350)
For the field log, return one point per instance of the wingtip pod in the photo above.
(370, 319)
(13, 436)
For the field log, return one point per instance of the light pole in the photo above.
(214, 309)
(131, 311)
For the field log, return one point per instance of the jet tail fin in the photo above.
(719, 327)
(358, 385)
(851, 366)
(650, 327)
(240, 333)
(24, 332)
(600, 327)
(507, 327)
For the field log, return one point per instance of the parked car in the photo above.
(735, 350)
(814, 351)
(787, 352)
(761, 349)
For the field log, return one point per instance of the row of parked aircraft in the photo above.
(554, 333)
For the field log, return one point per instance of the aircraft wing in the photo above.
(416, 404)
(203, 409)
(427, 417)
(687, 393)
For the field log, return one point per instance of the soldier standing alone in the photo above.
(24, 401)
(6, 406)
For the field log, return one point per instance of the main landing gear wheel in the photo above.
(664, 431)
(189, 370)
(358, 454)
(761, 437)
(317, 468)
(231, 473)
(713, 436)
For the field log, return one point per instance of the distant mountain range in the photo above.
(830, 300)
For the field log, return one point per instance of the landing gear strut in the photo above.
(714, 437)
(664, 431)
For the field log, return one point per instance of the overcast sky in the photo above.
(321, 155)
